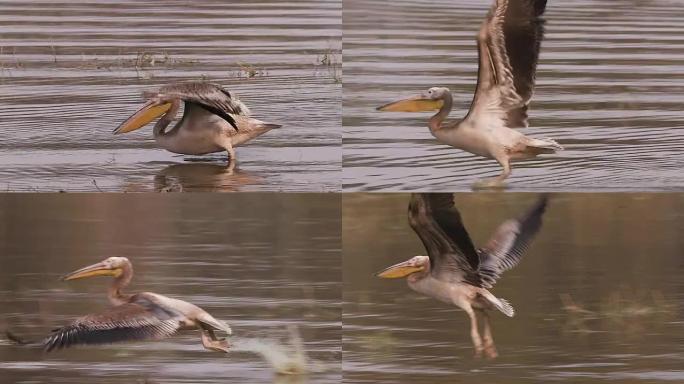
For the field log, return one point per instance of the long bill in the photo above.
(150, 111)
(418, 103)
(99, 269)
(399, 270)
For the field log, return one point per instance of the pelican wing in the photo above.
(509, 242)
(138, 320)
(211, 97)
(508, 48)
(438, 224)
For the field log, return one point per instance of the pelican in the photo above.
(508, 48)
(139, 316)
(214, 120)
(454, 271)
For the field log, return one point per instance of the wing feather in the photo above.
(439, 226)
(126, 322)
(509, 242)
(509, 41)
(211, 97)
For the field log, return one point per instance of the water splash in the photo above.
(286, 359)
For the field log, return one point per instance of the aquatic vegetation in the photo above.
(624, 311)
(381, 342)
(249, 71)
(330, 60)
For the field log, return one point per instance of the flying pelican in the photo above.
(454, 271)
(140, 316)
(508, 46)
(214, 119)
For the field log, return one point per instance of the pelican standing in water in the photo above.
(508, 48)
(140, 316)
(454, 271)
(214, 120)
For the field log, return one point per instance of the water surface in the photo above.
(259, 262)
(608, 89)
(617, 257)
(72, 72)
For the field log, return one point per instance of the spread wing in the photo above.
(140, 320)
(211, 97)
(509, 242)
(438, 224)
(508, 42)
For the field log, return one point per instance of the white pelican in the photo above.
(140, 316)
(214, 120)
(457, 273)
(508, 46)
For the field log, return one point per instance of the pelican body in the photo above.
(214, 119)
(457, 273)
(139, 316)
(508, 42)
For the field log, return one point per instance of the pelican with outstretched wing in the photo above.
(457, 273)
(508, 48)
(214, 119)
(140, 316)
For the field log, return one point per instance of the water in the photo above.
(617, 257)
(72, 72)
(260, 272)
(608, 89)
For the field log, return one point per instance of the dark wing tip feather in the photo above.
(537, 210)
(539, 7)
(437, 221)
(225, 116)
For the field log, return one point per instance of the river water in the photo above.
(72, 72)
(598, 296)
(609, 87)
(262, 263)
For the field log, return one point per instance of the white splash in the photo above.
(285, 359)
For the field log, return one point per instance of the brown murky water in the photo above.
(260, 262)
(619, 257)
(609, 90)
(71, 72)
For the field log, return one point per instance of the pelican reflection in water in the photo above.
(202, 176)
(508, 43)
(457, 273)
(214, 120)
(140, 316)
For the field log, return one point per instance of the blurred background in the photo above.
(598, 297)
(260, 262)
(71, 72)
(609, 82)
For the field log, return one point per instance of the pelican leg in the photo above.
(489, 348)
(212, 343)
(231, 155)
(496, 182)
(227, 144)
(474, 333)
(232, 159)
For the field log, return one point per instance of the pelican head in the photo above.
(154, 108)
(415, 266)
(113, 266)
(428, 101)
